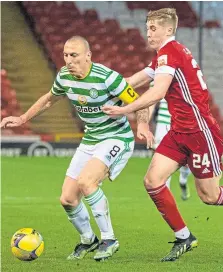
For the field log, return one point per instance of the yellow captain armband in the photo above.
(128, 95)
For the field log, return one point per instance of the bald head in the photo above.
(81, 41)
(77, 56)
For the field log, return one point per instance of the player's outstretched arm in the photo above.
(128, 96)
(139, 79)
(42, 104)
(150, 97)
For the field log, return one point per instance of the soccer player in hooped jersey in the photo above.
(105, 148)
(194, 137)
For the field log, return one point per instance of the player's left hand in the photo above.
(143, 132)
(113, 110)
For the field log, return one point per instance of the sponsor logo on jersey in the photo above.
(82, 100)
(162, 60)
(93, 93)
(88, 109)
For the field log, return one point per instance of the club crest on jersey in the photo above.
(82, 99)
(162, 60)
(93, 93)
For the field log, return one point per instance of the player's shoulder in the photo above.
(101, 69)
(172, 48)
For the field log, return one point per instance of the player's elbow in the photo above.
(48, 104)
(159, 97)
(159, 93)
(162, 94)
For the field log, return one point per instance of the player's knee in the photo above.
(69, 201)
(152, 181)
(147, 182)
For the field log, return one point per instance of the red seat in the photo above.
(186, 14)
(90, 16)
(9, 102)
(212, 24)
(111, 25)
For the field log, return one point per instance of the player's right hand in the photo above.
(11, 121)
(143, 132)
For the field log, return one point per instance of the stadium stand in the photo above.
(30, 73)
(115, 31)
(11, 106)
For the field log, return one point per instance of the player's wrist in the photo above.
(23, 118)
(128, 109)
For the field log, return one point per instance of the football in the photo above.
(27, 244)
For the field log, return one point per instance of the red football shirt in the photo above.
(187, 96)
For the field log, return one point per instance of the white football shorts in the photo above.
(161, 131)
(112, 152)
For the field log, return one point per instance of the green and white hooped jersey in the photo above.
(163, 115)
(101, 86)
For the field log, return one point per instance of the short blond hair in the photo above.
(165, 15)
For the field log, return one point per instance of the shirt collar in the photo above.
(172, 38)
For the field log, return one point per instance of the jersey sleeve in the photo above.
(57, 88)
(118, 87)
(166, 62)
(150, 69)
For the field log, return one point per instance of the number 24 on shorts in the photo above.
(199, 161)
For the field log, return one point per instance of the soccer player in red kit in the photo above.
(194, 137)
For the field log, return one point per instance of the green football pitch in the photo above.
(30, 198)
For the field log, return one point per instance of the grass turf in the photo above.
(30, 198)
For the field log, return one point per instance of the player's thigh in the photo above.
(160, 168)
(91, 175)
(81, 157)
(208, 189)
(71, 192)
(115, 154)
(109, 159)
(166, 160)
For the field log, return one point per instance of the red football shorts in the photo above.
(202, 151)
